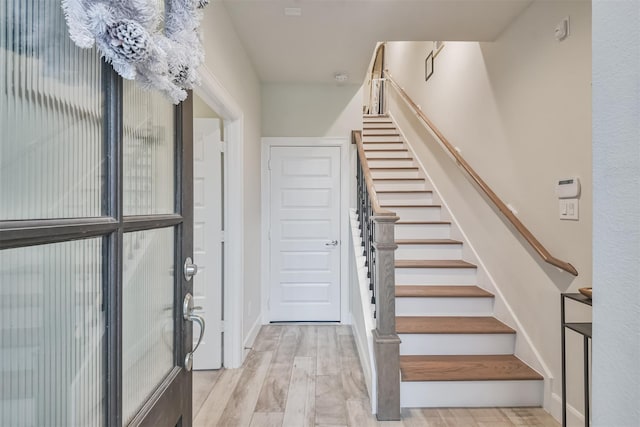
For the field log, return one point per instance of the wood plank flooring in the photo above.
(310, 376)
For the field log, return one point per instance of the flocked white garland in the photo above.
(161, 49)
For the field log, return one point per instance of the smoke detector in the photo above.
(341, 77)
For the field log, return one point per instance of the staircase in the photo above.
(453, 353)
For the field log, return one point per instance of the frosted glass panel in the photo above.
(147, 315)
(148, 152)
(51, 105)
(51, 335)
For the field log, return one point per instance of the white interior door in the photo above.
(208, 238)
(304, 234)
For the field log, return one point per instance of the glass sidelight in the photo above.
(147, 315)
(52, 329)
(149, 147)
(51, 117)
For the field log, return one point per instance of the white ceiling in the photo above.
(339, 35)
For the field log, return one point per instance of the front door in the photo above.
(304, 234)
(96, 216)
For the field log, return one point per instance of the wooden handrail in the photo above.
(356, 138)
(502, 207)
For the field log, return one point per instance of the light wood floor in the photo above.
(310, 376)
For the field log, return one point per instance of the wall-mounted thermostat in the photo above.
(568, 188)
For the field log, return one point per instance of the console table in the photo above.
(584, 329)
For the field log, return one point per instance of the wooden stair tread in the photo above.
(414, 205)
(381, 142)
(385, 150)
(450, 325)
(423, 223)
(398, 179)
(433, 263)
(466, 368)
(427, 242)
(394, 168)
(403, 191)
(440, 291)
(373, 159)
(379, 134)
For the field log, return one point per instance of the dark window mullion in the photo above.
(112, 258)
(148, 222)
(15, 234)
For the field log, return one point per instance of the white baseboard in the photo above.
(575, 418)
(251, 336)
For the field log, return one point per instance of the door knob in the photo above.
(332, 243)
(189, 269)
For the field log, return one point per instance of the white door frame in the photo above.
(216, 96)
(345, 179)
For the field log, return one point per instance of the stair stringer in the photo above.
(524, 347)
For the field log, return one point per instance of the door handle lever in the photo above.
(195, 318)
(189, 315)
(332, 243)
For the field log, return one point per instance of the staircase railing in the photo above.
(377, 232)
(502, 207)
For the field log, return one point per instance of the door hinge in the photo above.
(269, 164)
(222, 326)
(223, 146)
(269, 234)
(222, 236)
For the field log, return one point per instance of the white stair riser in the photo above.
(460, 306)
(422, 231)
(435, 276)
(408, 185)
(459, 394)
(405, 198)
(372, 118)
(383, 146)
(376, 154)
(419, 252)
(394, 163)
(383, 138)
(394, 173)
(451, 344)
(380, 128)
(427, 213)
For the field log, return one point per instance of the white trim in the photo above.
(251, 335)
(574, 416)
(345, 174)
(217, 97)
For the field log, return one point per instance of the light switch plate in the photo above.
(569, 209)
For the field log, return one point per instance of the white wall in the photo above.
(315, 110)
(227, 60)
(519, 109)
(201, 110)
(616, 223)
